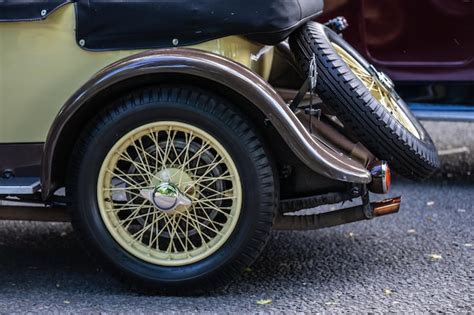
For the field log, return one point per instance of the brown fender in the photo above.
(223, 71)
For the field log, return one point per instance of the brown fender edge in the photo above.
(312, 152)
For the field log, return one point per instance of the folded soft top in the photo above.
(119, 24)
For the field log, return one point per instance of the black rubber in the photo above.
(358, 110)
(222, 120)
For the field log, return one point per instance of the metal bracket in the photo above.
(313, 74)
(366, 206)
(309, 85)
(314, 112)
(337, 24)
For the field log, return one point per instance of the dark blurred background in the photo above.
(426, 46)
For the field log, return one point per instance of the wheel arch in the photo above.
(54, 174)
(257, 98)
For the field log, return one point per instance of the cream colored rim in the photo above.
(198, 165)
(386, 98)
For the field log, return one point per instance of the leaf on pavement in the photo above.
(264, 302)
(435, 257)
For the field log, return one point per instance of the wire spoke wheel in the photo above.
(169, 193)
(386, 96)
(172, 189)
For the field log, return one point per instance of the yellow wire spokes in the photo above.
(175, 154)
(379, 91)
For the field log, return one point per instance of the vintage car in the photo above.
(176, 134)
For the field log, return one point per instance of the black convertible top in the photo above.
(143, 24)
(28, 10)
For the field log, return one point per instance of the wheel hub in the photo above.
(168, 195)
(382, 79)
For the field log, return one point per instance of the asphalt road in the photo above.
(455, 142)
(421, 259)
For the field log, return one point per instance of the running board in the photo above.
(19, 186)
(443, 112)
(40, 213)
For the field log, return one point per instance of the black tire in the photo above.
(359, 111)
(225, 123)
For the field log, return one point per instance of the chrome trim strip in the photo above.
(19, 186)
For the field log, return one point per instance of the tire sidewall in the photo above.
(94, 227)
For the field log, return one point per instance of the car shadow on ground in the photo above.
(44, 256)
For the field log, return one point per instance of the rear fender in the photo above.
(309, 149)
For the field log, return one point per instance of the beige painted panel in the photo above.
(41, 66)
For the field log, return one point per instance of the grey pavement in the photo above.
(455, 141)
(419, 260)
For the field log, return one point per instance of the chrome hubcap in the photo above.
(167, 196)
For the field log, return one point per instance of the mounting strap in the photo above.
(309, 85)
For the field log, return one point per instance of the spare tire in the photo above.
(365, 101)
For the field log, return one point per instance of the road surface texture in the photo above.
(419, 260)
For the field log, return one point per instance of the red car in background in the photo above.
(426, 46)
